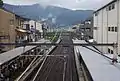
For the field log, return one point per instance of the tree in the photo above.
(1, 3)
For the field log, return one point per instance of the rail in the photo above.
(30, 68)
(35, 63)
(57, 44)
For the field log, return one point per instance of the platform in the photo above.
(100, 68)
(7, 56)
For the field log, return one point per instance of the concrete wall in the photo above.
(118, 24)
(39, 27)
(107, 18)
(95, 21)
(32, 23)
(36, 25)
(7, 28)
(105, 29)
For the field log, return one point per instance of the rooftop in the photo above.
(105, 5)
(100, 68)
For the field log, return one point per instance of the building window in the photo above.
(116, 29)
(111, 51)
(108, 28)
(96, 13)
(108, 50)
(109, 7)
(11, 22)
(112, 29)
(95, 28)
(113, 6)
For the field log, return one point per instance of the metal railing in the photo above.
(56, 44)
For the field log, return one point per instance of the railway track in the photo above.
(57, 66)
(33, 65)
(61, 66)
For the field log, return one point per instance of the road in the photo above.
(60, 64)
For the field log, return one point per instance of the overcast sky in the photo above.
(71, 4)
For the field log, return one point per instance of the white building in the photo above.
(36, 27)
(36, 24)
(107, 26)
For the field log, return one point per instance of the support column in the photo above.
(115, 53)
(118, 31)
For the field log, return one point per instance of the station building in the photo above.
(107, 26)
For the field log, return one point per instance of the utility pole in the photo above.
(35, 31)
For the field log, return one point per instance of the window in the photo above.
(116, 29)
(111, 51)
(96, 13)
(112, 29)
(108, 50)
(11, 22)
(113, 6)
(95, 28)
(108, 28)
(109, 7)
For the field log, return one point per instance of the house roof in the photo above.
(7, 10)
(14, 13)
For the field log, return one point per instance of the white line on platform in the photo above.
(46, 55)
(65, 63)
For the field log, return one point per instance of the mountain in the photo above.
(74, 17)
(61, 16)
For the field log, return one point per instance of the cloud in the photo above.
(91, 4)
(71, 4)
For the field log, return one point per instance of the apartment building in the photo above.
(22, 29)
(86, 28)
(107, 26)
(36, 29)
(7, 28)
(12, 29)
